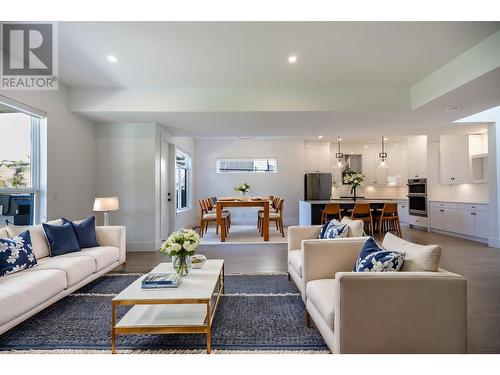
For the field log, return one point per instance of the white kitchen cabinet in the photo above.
(465, 219)
(466, 222)
(436, 217)
(454, 159)
(403, 212)
(444, 216)
(481, 224)
(396, 162)
(450, 219)
(317, 157)
(417, 156)
(418, 221)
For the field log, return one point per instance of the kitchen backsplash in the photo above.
(398, 192)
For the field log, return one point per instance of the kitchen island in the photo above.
(310, 210)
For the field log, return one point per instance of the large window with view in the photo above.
(182, 181)
(246, 166)
(19, 166)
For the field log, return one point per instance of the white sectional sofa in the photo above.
(25, 293)
(421, 309)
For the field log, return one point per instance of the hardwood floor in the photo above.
(477, 262)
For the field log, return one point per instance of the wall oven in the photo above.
(417, 186)
(417, 196)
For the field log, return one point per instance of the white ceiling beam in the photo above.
(474, 63)
(238, 100)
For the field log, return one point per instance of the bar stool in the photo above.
(389, 220)
(331, 209)
(362, 211)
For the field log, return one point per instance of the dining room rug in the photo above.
(258, 313)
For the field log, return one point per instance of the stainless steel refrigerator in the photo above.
(317, 186)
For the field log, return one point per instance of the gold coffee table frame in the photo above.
(206, 328)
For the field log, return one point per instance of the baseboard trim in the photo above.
(463, 236)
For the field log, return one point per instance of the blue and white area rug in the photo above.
(258, 313)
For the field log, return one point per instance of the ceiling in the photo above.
(245, 59)
(254, 54)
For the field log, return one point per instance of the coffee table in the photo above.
(190, 308)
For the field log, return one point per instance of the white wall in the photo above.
(287, 182)
(125, 167)
(128, 166)
(70, 153)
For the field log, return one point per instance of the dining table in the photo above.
(245, 203)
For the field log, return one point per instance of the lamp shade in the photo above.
(106, 204)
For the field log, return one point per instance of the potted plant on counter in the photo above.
(181, 246)
(354, 179)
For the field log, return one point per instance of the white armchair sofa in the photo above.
(411, 311)
(300, 237)
(27, 292)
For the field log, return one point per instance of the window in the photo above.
(182, 181)
(246, 166)
(19, 165)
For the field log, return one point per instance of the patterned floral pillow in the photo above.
(333, 229)
(16, 254)
(375, 259)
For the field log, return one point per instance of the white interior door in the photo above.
(165, 194)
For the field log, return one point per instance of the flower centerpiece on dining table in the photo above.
(181, 246)
(354, 179)
(242, 188)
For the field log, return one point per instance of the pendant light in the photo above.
(339, 155)
(382, 155)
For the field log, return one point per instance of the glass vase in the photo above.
(182, 264)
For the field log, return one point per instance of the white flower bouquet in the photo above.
(182, 243)
(355, 179)
(243, 188)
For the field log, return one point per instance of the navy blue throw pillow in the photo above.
(84, 232)
(373, 258)
(16, 254)
(333, 229)
(62, 238)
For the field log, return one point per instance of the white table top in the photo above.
(198, 284)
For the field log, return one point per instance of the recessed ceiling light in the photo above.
(112, 59)
(386, 139)
(308, 145)
(366, 146)
(452, 108)
(320, 136)
(292, 59)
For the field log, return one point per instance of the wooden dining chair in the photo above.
(362, 211)
(211, 205)
(389, 220)
(277, 217)
(207, 217)
(272, 208)
(331, 209)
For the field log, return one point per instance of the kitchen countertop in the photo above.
(457, 202)
(359, 200)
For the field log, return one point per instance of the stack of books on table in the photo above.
(161, 280)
